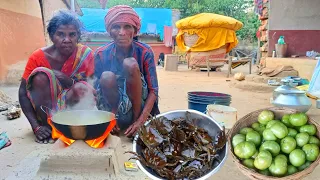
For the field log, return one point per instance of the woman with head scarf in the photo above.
(55, 76)
(127, 82)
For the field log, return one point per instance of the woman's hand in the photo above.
(65, 81)
(131, 131)
(116, 130)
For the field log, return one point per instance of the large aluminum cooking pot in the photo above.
(289, 96)
(206, 123)
(81, 124)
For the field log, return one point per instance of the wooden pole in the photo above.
(258, 52)
(229, 66)
(73, 6)
(208, 68)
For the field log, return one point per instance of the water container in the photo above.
(225, 115)
(281, 40)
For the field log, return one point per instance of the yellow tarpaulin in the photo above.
(214, 31)
(305, 88)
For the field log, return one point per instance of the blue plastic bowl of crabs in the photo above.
(180, 144)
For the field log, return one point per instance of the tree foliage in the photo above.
(238, 9)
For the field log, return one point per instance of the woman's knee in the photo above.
(108, 79)
(40, 80)
(130, 66)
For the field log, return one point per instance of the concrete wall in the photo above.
(21, 32)
(159, 48)
(298, 21)
(304, 66)
(294, 15)
(156, 47)
(29, 7)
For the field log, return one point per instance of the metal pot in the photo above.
(207, 123)
(287, 85)
(82, 124)
(289, 96)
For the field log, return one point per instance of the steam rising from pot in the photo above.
(82, 97)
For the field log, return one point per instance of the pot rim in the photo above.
(107, 120)
(226, 110)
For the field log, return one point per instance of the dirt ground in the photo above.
(174, 87)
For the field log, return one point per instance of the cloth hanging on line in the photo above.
(167, 39)
(258, 6)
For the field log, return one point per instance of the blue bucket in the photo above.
(202, 94)
(202, 107)
(208, 99)
(200, 100)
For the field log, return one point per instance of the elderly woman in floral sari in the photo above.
(55, 76)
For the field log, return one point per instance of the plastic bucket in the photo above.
(225, 115)
(209, 99)
(202, 94)
(202, 107)
(199, 100)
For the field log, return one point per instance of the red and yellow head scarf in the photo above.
(122, 14)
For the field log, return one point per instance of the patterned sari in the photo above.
(79, 66)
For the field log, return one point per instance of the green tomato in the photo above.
(298, 119)
(255, 125)
(292, 132)
(296, 128)
(288, 144)
(268, 135)
(278, 141)
(281, 159)
(245, 130)
(248, 163)
(279, 166)
(312, 151)
(291, 170)
(302, 139)
(238, 138)
(271, 146)
(304, 166)
(263, 160)
(309, 128)
(258, 127)
(314, 140)
(270, 123)
(265, 116)
(297, 157)
(279, 130)
(286, 120)
(265, 172)
(245, 150)
(254, 136)
(255, 155)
